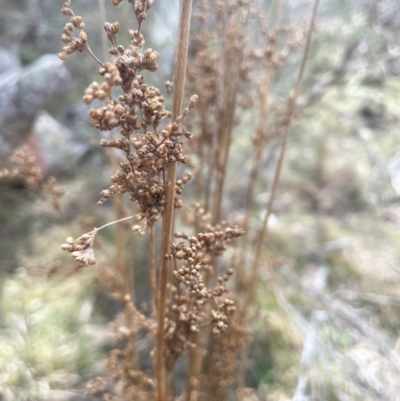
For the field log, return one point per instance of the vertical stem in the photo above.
(153, 274)
(230, 85)
(258, 148)
(168, 217)
(286, 132)
(219, 95)
(102, 12)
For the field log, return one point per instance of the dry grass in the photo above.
(196, 329)
(191, 314)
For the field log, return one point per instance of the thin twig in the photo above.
(93, 55)
(114, 222)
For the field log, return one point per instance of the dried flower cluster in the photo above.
(197, 306)
(82, 248)
(122, 363)
(27, 170)
(137, 113)
(143, 183)
(51, 189)
(74, 35)
(271, 57)
(141, 175)
(139, 7)
(224, 360)
(196, 216)
(126, 379)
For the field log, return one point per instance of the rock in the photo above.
(9, 60)
(389, 13)
(58, 147)
(23, 93)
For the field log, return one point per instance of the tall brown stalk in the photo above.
(153, 273)
(259, 144)
(219, 90)
(170, 174)
(230, 77)
(285, 135)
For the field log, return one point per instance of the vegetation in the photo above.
(235, 266)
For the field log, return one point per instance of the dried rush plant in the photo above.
(185, 302)
(25, 170)
(232, 65)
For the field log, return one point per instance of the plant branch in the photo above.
(113, 222)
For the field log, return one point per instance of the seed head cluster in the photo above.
(139, 7)
(196, 305)
(26, 169)
(74, 35)
(224, 360)
(126, 380)
(141, 175)
(82, 248)
(137, 113)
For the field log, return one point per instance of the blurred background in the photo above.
(328, 306)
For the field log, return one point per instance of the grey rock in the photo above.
(23, 93)
(76, 118)
(9, 60)
(60, 148)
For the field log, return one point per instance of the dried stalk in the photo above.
(153, 274)
(103, 19)
(220, 87)
(226, 108)
(168, 216)
(258, 148)
(286, 132)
